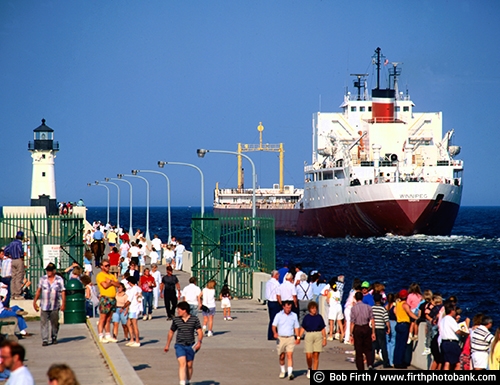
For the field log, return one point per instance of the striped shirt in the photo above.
(481, 339)
(6, 267)
(381, 316)
(50, 298)
(185, 329)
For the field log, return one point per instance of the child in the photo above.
(123, 265)
(134, 294)
(87, 263)
(153, 255)
(121, 313)
(225, 297)
(414, 300)
(91, 300)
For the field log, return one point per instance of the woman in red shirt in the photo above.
(147, 284)
(114, 260)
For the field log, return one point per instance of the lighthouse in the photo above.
(43, 183)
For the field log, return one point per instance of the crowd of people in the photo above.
(378, 323)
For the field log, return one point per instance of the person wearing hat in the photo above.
(403, 315)
(367, 296)
(52, 295)
(15, 251)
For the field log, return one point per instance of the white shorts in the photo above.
(88, 268)
(225, 303)
(479, 360)
(335, 313)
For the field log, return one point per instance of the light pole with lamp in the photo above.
(201, 153)
(134, 174)
(107, 188)
(117, 201)
(168, 199)
(119, 177)
(162, 164)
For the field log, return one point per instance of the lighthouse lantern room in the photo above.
(43, 183)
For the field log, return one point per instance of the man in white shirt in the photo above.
(13, 359)
(156, 243)
(298, 274)
(288, 292)
(449, 331)
(179, 251)
(191, 294)
(273, 306)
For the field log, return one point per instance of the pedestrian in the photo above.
(147, 283)
(61, 374)
(286, 331)
(288, 292)
(414, 300)
(52, 295)
(449, 333)
(191, 294)
(480, 344)
(494, 359)
(225, 302)
(335, 315)
(314, 328)
(391, 337)
(6, 275)
(361, 333)
(15, 251)
(285, 269)
(179, 252)
(382, 328)
(186, 326)
(367, 295)
(91, 299)
(403, 315)
(114, 260)
(304, 295)
(134, 296)
(208, 306)
(120, 316)
(170, 290)
(273, 306)
(107, 284)
(13, 355)
(356, 286)
(87, 263)
(155, 273)
(14, 311)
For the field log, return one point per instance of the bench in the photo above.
(8, 327)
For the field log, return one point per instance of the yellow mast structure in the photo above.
(261, 147)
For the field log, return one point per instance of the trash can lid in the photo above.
(74, 284)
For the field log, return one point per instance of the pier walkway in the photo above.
(239, 351)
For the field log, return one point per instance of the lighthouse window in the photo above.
(43, 173)
(353, 109)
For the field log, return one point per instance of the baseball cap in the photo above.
(50, 267)
(20, 234)
(403, 293)
(365, 284)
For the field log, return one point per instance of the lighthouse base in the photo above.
(49, 204)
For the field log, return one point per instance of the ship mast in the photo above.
(261, 147)
(359, 84)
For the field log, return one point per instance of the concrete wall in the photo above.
(259, 286)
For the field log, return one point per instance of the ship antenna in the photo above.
(377, 60)
(360, 83)
(395, 72)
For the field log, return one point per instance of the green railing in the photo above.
(56, 238)
(230, 249)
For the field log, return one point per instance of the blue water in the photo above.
(465, 264)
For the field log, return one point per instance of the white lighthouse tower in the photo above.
(43, 183)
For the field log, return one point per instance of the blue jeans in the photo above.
(148, 302)
(391, 342)
(21, 323)
(403, 331)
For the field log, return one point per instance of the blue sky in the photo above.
(127, 83)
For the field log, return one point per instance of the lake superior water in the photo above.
(465, 264)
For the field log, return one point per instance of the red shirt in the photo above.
(114, 258)
(125, 237)
(145, 281)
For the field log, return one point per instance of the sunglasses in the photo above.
(105, 265)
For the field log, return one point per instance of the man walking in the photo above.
(170, 290)
(185, 347)
(286, 330)
(15, 251)
(273, 306)
(52, 295)
(12, 355)
(361, 332)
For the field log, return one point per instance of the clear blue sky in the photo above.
(127, 83)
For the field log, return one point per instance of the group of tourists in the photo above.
(378, 323)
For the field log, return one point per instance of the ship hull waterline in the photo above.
(363, 219)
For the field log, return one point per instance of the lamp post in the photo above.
(134, 174)
(168, 199)
(117, 201)
(162, 164)
(119, 177)
(201, 153)
(107, 188)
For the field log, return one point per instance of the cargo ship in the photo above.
(378, 167)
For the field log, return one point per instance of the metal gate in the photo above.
(229, 249)
(57, 239)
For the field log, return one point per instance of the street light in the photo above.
(131, 229)
(117, 201)
(168, 199)
(201, 153)
(107, 188)
(134, 174)
(162, 164)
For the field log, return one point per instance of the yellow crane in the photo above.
(261, 147)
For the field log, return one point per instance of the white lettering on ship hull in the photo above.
(413, 196)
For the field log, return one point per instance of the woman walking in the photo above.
(147, 283)
(314, 328)
(208, 307)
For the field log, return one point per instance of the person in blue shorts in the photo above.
(185, 347)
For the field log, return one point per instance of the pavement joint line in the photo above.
(106, 356)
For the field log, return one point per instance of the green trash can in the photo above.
(75, 303)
